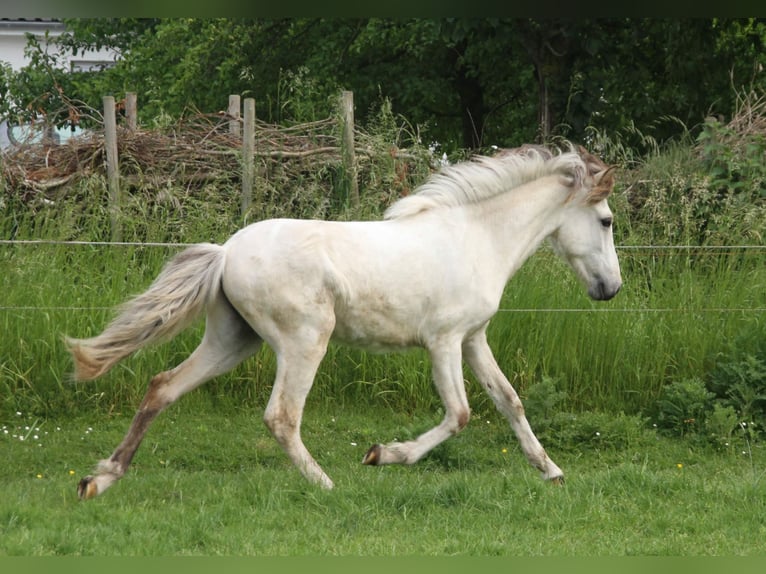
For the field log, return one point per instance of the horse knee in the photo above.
(463, 417)
(460, 421)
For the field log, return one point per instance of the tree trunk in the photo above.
(472, 111)
(471, 94)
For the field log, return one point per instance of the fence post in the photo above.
(234, 113)
(349, 156)
(112, 167)
(248, 148)
(131, 110)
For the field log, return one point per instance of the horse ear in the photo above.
(603, 183)
(605, 176)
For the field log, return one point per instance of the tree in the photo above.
(468, 82)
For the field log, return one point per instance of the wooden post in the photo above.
(131, 110)
(349, 157)
(112, 167)
(233, 111)
(248, 147)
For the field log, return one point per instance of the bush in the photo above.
(588, 430)
(741, 385)
(682, 407)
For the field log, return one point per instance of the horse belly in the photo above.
(378, 329)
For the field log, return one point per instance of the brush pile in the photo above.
(197, 149)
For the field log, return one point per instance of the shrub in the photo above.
(589, 430)
(741, 385)
(683, 406)
(720, 424)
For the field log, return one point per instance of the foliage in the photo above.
(709, 193)
(683, 407)
(731, 401)
(473, 82)
(734, 153)
(740, 383)
(587, 431)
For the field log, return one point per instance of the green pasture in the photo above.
(213, 482)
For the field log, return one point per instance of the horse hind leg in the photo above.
(228, 341)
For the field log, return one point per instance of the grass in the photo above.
(207, 482)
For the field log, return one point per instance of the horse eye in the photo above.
(606, 223)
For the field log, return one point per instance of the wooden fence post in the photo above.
(349, 157)
(234, 113)
(112, 167)
(131, 110)
(248, 148)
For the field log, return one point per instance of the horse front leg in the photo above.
(482, 362)
(448, 379)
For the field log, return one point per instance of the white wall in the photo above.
(13, 41)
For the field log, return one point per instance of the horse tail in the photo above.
(180, 293)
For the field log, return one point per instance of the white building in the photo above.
(13, 42)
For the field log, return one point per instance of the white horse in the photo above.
(430, 274)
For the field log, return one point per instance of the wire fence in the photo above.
(163, 244)
(719, 249)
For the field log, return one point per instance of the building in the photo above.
(13, 42)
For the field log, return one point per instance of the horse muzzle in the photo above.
(603, 290)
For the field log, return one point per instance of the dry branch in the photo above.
(195, 145)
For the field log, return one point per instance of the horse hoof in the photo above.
(557, 480)
(373, 455)
(87, 488)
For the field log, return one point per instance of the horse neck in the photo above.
(518, 221)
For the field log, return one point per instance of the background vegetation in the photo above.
(470, 82)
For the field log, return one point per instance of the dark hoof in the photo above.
(373, 455)
(557, 480)
(86, 488)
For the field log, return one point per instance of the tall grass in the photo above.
(676, 313)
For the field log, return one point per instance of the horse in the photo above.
(430, 273)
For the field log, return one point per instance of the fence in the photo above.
(247, 119)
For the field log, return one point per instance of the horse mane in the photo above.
(483, 177)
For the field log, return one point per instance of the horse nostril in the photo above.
(609, 294)
(602, 292)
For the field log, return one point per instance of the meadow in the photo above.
(212, 482)
(634, 398)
